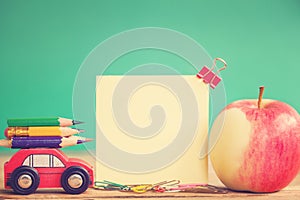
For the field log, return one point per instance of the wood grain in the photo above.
(291, 193)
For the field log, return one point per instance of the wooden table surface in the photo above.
(292, 192)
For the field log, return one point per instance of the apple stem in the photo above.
(261, 92)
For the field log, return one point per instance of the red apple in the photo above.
(258, 148)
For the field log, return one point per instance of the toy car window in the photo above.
(57, 162)
(41, 160)
(27, 161)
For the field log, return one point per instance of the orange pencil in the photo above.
(40, 131)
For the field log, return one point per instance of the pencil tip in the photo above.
(80, 130)
(77, 122)
(82, 140)
(88, 139)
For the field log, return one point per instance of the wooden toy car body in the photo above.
(29, 169)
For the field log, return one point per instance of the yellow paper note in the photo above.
(151, 128)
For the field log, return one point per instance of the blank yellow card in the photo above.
(151, 128)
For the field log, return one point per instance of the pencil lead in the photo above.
(80, 130)
(77, 122)
(88, 139)
(82, 140)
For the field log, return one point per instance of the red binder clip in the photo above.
(209, 76)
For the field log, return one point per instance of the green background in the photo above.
(43, 43)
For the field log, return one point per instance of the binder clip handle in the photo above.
(221, 60)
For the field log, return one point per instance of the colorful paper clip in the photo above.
(186, 186)
(209, 77)
(165, 185)
(199, 188)
(207, 189)
(108, 185)
(158, 187)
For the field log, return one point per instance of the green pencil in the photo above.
(51, 121)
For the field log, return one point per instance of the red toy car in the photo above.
(30, 169)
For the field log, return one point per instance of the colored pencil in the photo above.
(53, 121)
(42, 142)
(40, 131)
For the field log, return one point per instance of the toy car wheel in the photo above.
(24, 180)
(75, 180)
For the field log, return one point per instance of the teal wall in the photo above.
(44, 42)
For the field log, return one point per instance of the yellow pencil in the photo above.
(40, 131)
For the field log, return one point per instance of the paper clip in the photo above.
(199, 188)
(157, 186)
(182, 187)
(141, 188)
(108, 185)
(207, 189)
(165, 185)
(208, 76)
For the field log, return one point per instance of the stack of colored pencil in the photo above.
(41, 133)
